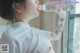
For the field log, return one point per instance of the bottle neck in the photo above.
(43, 7)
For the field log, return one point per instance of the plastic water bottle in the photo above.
(52, 6)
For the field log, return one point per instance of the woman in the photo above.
(22, 38)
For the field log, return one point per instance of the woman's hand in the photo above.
(62, 13)
(56, 33)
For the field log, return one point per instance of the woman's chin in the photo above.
(37, 14)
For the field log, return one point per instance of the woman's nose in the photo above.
(37, 2)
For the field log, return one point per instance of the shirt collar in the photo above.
(21, 24)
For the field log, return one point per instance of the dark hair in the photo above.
(6, 10)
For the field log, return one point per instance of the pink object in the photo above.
(39, 8)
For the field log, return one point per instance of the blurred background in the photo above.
(70, 39)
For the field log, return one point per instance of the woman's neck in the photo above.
(20, 20)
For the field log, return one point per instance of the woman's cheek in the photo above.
(31, 9)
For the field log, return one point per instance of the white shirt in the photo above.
(25, 39)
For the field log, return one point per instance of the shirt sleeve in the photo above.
(50, 35)
(44, 33)
(47, 34)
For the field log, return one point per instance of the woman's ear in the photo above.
(17, 7)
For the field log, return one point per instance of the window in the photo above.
(74, 30)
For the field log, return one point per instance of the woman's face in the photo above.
(31, 9)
